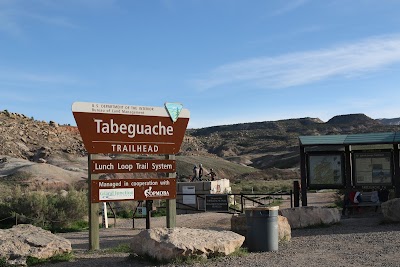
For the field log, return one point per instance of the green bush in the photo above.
(262, 186)
(159, 212)
(47, 210)
(75, 226)
(126, 214)
(124, 209)
(3, 262)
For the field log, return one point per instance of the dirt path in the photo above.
(114, 236)
(359, 241)
(120, 235)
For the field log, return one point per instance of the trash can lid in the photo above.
(264, 208)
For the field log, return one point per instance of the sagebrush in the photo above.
(44, 209)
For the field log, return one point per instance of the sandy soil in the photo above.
(121, 233)
(112, 236)
(361, 240)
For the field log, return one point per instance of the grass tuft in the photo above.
(240, 252)
(32, 261)
(121, 248)
(77, 226)
(3, 262)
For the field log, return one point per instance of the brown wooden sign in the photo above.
(124, 129)
(128, 166)
(132, 189)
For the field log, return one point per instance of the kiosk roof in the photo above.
(351, 139)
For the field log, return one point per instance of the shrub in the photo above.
(3, 262)
(162, 211)
(124, 209)
(46, 210)
(68, 209)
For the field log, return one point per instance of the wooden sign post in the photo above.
(126, 129)
(171, 203)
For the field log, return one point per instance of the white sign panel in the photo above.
(189, 200)
(89, 107)
(116, 194)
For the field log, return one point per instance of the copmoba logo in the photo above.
(150, 193)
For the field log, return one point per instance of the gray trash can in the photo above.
(262, 228)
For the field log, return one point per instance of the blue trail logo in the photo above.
(174, 109)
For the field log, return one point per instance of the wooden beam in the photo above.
(94, 240)
(171, 203)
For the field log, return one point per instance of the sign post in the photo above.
(126, 129)
(94, 241)
(171, 203)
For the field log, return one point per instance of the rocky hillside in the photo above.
(25, 138)
(49, 153)
(271, 144)
(395, 121)
(45, 154)
(26, 145)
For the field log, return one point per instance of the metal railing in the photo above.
(239, 203)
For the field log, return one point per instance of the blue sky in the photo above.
(227, 61)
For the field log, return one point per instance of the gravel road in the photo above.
(361, 240)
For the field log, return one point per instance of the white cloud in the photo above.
(21, 78)
(51, 20)
(306, 67)
(289, 6)
(81, 4)
(9, 22)
(14, 14)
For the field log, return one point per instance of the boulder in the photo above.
(239, 225)
(53, 124)
(284, 229)
(301, 217)
(41, 160)
(391, 210)
(166, 244)
(63, 193)
(42, 154)
(24, 240)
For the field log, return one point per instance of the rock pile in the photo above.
(166, 244)
(23, 137)
(24, 240)
(302, 217)
(391, 210)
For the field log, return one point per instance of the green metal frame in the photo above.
(343, 144)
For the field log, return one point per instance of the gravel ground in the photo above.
(360, 240)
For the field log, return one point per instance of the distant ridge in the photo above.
(394, 121)
(352, 119)
(256, 125)
(261, 145)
